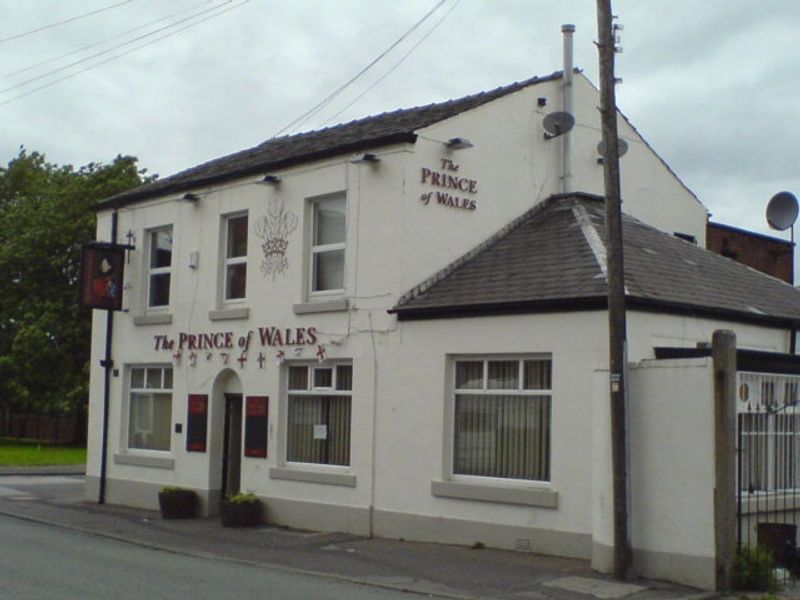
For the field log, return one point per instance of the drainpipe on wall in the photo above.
(566, 105)
(108, 364)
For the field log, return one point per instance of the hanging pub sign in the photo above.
(197, 423)
(255, 426)
(102, 268)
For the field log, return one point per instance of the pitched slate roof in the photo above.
(395, 127)
(553, 259)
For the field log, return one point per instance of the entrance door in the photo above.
(232, 445)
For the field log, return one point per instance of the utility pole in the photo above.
(616, 289)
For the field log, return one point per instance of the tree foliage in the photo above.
(46, 215)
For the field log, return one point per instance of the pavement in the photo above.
(54, 496)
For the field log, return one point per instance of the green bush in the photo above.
(754, 570)
(174, 489)
(243, 498)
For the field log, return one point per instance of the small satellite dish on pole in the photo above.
(622, 147)
(782, 211)
(557, 123)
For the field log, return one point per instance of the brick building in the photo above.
(767, 254)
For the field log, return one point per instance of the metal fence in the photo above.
(768, 466)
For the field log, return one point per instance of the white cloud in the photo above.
(711, 86)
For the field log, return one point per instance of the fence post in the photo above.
(724, 359)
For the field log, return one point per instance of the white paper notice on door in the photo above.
(320, 432)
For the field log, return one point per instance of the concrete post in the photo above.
(724, 357)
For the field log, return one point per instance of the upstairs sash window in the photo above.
(328, 245)
(159, 263)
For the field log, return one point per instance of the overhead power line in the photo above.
(315, 109)
(101, 42)
(107, 50)
(121, 54)
(57, 23)
(397, 64)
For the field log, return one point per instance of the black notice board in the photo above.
(197, 423)
(256, 415)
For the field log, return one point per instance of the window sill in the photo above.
(154, 319)
(321, 306)
(341, 479)
(767, 502)
(224, 314)
(543, 498)
(136, 460)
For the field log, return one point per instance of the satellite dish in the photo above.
(557, 123)
(622, 146)
(782, 211)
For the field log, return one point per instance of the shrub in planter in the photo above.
(177, 503)
(240, 510)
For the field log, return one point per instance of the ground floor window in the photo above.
(769, 432)
(150, 403)
(502, 418)
(319, 401)
(770, 451)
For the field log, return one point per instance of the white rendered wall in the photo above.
(671, 421)
(415, 408)
(651, 192)
(647, 330)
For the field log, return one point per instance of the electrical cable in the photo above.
(396, 65)
(49, 84)
(101, 42)
(315, 109)
(121, 54)
(57, 23)
(107, 50)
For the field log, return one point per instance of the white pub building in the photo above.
(397, 327)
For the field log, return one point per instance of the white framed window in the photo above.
(235, 257)
(328, 234)
(501, 417)
(150, 408)
(318, 414)
(159, 267)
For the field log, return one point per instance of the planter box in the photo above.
(240, 514)
(177, 504)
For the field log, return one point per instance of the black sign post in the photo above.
(102, 271)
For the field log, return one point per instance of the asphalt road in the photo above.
(43, 562)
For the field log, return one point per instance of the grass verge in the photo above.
(21, 453)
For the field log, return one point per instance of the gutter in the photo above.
(419, 313)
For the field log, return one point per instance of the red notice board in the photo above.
(197, 423)
(256, 418)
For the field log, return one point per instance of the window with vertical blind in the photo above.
(502, 411)
(318, 421)
(150, 408)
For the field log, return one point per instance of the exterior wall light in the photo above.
(458, 143)
(190, 197)
(364, 158)
(271, 179)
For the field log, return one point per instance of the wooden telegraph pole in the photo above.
(616, 289)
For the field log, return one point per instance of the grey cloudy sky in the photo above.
(712, 85)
